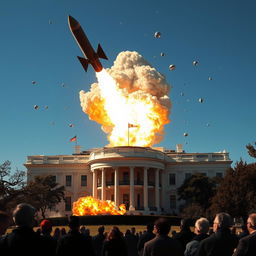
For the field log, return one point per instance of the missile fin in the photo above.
(101, 54)
(84, 62)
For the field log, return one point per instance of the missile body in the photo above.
(86, 47)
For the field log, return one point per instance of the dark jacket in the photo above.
(221, 243)
(192, 246)
(97, 242)
(22, 241)
(184, 237)
(147, 236)
(162, 245)
(114, 247)
(246, 246)
(131, 244)
(50, 244)
(74, 243)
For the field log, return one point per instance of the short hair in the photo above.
(252, 218)
(101, 229)
(150, 227)
(23, 215)
(202, 225)
(163, 226)
(224, 220)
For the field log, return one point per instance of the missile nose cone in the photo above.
(73, 23)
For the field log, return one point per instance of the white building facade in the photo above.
(144, 179)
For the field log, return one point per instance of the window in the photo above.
(83, 180)
(172, 179)
(68, 203)
(68, 180)
(187, 175)
(126, 176)
(173, 201)
(219, 174)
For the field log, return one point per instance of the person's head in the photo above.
(114, 233)
(222, 221)
(133, 230)
(4, 222)
(24, 215)
(162, 226)
(202, 226)
(185, 224)
(74, 222)
(150, 227)
(46, 226)
(251, 222)
(101, 229)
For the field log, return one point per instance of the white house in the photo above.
(144, 179)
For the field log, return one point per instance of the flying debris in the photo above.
(209, 78)
(182, 94)
(50, 22)
(162, 54)
(201, 100)
(157, 35)
(195, 63)
(185, 134)
(33, 82)
(36, 107)
(172, 67)
(62, 85)
(85, 46)
(71, 125)
(208, 124)
(46, 107)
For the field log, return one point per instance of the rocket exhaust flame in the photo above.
(92, 206)
(131, 92)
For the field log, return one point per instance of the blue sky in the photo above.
(36, 45)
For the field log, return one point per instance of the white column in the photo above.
(116, 191)
(103, 184)
(94, 183)
(145, 189)
(157, 201)
(131, 207)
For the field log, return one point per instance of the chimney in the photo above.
(179, 148)
(77, 149)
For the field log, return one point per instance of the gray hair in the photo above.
(23, 215)
(202, 225)
(224, 220)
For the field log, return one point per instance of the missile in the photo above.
(92, 57)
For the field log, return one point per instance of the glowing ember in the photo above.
(92, 206)
(131, 92)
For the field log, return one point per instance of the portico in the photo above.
(139, 188)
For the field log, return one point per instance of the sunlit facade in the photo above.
(144, 179)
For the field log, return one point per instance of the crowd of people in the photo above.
(221, 240)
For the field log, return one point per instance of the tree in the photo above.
(237, 191)
(43, 193)
(251, 150)
(10, 184)
(197, 189)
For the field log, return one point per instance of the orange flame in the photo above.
(91, 206)
(114, 108)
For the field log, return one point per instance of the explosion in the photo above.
(92, 206)
(131, 94)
